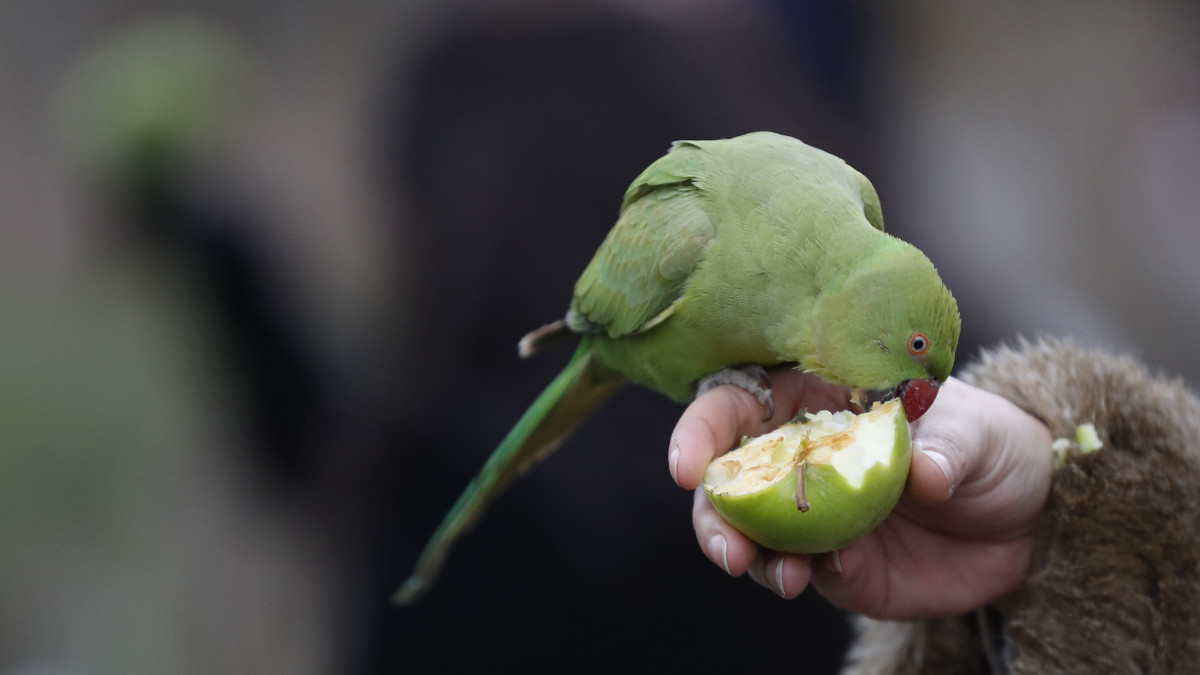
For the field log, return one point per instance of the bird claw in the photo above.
(752, 378)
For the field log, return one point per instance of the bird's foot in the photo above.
(753, 378)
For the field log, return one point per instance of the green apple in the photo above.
(816, 484)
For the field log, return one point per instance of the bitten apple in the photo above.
(816, 484)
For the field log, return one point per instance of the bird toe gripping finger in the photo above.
(752, 378)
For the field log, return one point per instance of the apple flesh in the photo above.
(816, 484)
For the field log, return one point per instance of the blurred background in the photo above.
(263, 267)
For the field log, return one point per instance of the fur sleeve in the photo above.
(1116, 580)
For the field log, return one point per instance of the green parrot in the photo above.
(729, 256)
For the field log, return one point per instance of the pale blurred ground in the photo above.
(1047, 158)
(133, 536)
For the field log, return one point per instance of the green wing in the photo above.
(643, 265)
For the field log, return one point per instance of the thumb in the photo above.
(983, 452)
(946, 445)
(937, 470)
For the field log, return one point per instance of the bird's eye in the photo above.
(918, 344)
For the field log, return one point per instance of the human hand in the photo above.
(961, 536)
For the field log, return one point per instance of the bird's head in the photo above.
(890, 329)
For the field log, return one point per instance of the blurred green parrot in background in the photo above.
(730, 256)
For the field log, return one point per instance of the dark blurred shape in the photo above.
(280, 375)
(149, 116)
(515, 140)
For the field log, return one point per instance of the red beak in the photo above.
(917, 396)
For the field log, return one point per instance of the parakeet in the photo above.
(729, 256)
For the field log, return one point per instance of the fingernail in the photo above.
(673, 460)
(942, 463)
(834, 562)
(718, 550)
(779, 578)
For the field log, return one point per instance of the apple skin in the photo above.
(838, 513)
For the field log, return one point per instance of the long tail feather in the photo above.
(573, 394)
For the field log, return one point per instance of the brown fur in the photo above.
(1116, 580)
